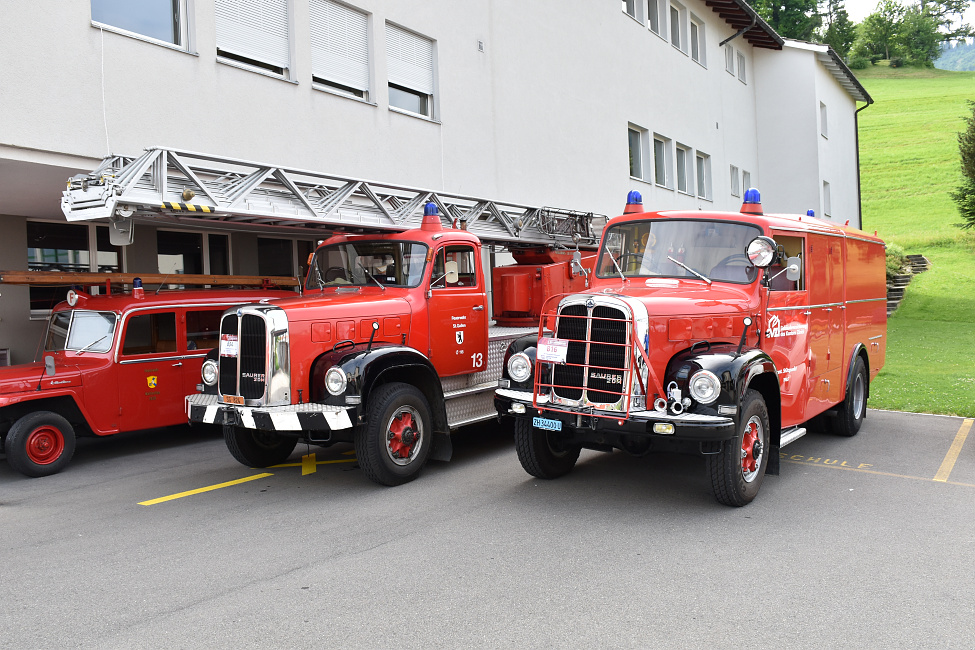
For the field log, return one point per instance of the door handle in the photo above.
(479, 308)
(178, 364)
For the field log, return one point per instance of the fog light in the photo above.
(663, 427)
(519, 367)
(518, 407)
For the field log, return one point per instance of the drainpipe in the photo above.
(740, 31)
(856, 132)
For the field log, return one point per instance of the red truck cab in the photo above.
(722, 333)
(111, 363)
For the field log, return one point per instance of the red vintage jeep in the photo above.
(110, 364)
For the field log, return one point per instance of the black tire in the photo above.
(40, 444)
(851, 411)
(256, 448)
(541, 453)
(737, 478)
(394, 443)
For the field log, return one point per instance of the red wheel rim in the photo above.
(45, 445)
(404, 435)
(751, 450)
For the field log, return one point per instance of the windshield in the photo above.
(715, 249)
(91, 331)
(367, 263)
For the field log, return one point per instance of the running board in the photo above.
(791, 435)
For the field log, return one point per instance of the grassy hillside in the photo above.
(909, 164)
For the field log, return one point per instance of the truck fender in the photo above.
(858, 350)
(61, 402)
(529, 345)
(368, 368)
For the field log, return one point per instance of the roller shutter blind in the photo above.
(409, 60)
(254, 29)
(339, 44)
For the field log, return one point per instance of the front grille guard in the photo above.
(635, 354)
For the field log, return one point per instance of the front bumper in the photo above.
(582, 425)
(208, 409)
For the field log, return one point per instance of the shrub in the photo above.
(896, 261)
(874, 58)
(859, 63)
(896, 62)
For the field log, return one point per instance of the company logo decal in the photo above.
(777, 329)
(253, 376)
(459, 336)
(609, 378)
(152, 381)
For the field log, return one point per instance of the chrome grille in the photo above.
(228, 365)
(253, 360)
(596, 360)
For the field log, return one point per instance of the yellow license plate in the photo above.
(233, 399)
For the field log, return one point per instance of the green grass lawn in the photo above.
(909, 164)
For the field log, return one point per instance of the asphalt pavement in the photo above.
(161, 539)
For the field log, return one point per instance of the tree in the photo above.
(879, 29)
(797, 19)
(964, 196)
(944, 13)
(918, 37)
(839, 31)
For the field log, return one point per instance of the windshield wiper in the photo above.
(318, 277)
(618, 269)
(364, 270)
(684, 266)
(85, 349)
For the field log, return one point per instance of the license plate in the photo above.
(546, 423)
(233, 399)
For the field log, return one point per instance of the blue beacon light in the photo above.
(752, 195)
(430, 209)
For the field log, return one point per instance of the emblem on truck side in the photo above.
(459, 335)
(152, 381)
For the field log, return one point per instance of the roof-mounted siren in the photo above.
(431, 217)
(137, 291)
(634, 203)
(753, 202)
(810, 213)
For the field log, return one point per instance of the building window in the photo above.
(676, 27)
(823, 129)
(634, 9)
(827, 200)
(255, 33)
(653, 16)
(729, 59)
(410, 65)
(179, 253)
(703, 175)
(639, 149)
(683, 169)
(698, 52)
(661, 161)
(741, 68)
(340, 48)
(218, 254)
(735, 187)
(746, 180)
(160, 20)
(275, 257)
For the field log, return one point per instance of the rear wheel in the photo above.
(256, 448)
(738, 470)
(541, 453)
(395, 442)
(40, 444)
(851, 411)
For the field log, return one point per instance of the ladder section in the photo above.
(193, 187)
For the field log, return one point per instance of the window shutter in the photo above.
(409, 60)
(339, 44)
(254, 29)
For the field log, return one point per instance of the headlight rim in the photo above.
(528, 367)
(716, 383)
(211, 364)
(342, 381)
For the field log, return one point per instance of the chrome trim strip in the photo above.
(791, 436)
(152, 360)
(853, 302)
(472, 390)
(874, 338)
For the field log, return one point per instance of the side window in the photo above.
(790, 248)
(202, 329)
(454, 266)
(150, 333)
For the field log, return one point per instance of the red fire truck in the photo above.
(717, 333)
(391, 347)
(111, 363)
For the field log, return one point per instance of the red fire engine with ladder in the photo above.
(391, 346)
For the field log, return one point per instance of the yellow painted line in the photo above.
(875, 472)
(317, 462)
(308, 464)
(949, 462)
(209, 488)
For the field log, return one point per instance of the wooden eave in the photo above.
(739, 15)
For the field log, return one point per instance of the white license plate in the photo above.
(546, 423)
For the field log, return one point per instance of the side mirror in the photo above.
(793, 269)
(576, 267)
(49, 366)
(761, 251)
(451, 269)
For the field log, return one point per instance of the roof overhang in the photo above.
(836, 67)
(749, 24)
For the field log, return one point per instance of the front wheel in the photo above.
(40, 444)
(394, 444)
(256, 448)
(737, 471)
(541, 453)
(851, 411)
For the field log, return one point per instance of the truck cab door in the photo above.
(457, 308)
(151, 387)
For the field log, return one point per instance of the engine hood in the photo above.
(26, 377)
(356, 305)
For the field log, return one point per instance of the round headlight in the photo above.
(519, 367)
(705, 386)
(761, 251)
(209, 372)
(335, 380)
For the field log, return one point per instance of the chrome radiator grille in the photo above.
(596, 360)
(245, 373)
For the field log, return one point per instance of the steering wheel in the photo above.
(334, 273)
(732, 261)
(620, 259)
